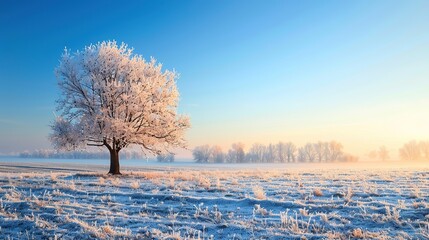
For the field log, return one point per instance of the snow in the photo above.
(213, 202)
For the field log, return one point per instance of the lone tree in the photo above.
(114, 98)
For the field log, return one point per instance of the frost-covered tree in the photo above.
(281, 152)
(202, 153)
(291, 152)
(335, 151)
(256, 153)
(411, 151)
(271, 153)
(113, 98)
(309, 152)
(217, 155)
(236, 153)
(301, 157)
(319, 148)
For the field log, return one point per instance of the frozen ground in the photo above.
(69, 201)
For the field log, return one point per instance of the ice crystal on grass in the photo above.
(187, 204)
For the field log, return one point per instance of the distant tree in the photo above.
(335, 150)
(411, 151)
(239, 149)
(326, 151)
(113, 98)
(302, 156)
(309, 152)
(217, 155)
(202, 153)
(319, 148)
(25, 154)
(282, 154)
(236, 153)
(165, 157)
(256, 153)
(383, 154)
(291, 152)
(270, 153)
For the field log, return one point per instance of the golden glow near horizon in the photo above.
(360, 130)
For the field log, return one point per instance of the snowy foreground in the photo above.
(213, 203)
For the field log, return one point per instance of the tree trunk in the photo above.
(114, 162)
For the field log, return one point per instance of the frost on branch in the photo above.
(66, 135)
(114, 98)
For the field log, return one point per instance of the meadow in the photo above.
(211, 202)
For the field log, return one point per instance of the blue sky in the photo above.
(250, 71)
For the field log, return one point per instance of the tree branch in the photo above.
(95, 145)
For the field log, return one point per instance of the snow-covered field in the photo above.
(209, 202)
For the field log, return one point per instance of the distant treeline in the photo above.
(46, 153)
(84, 154)
(274, 153)
(415, 151)
(168, 157)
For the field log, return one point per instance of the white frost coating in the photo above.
(114, 98)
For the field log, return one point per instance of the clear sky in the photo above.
(250, 71)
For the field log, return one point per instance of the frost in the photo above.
(114, 98)
(187, 203)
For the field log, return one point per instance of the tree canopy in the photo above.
(111, 97)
